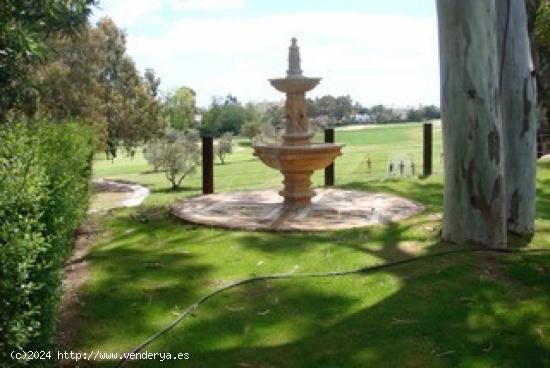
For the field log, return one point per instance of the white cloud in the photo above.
(206, 4)
(126, 13)
(375, 58)
(129, 12)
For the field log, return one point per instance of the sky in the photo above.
(376, 51)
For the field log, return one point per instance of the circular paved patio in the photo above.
(331, 209)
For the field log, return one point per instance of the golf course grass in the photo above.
(458, 310)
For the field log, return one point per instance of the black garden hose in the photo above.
(368, 269)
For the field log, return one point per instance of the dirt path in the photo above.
(109, 195)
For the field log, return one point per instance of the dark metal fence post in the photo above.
(329, 170)
(428, 134)
(207, 165)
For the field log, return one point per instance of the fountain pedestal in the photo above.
(297, 158)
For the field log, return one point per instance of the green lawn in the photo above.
(243, 171)
(473, 310)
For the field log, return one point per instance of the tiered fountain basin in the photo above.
(296, 84)
(297, 164)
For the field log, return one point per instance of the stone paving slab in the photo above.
(331, 209)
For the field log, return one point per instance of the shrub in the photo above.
(152, 152)
(45, 173)
(268, 135)
(251, 128)
(224, 146)
(178, 153)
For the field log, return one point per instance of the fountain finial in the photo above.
(294, 60)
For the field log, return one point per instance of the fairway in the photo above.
(243, 171)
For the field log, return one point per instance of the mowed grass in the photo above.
(461, 310)
(243, 171)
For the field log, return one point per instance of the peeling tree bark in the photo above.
(474, 196)
(518, 105)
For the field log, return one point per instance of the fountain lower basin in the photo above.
(297, 164)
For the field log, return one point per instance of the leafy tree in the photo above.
(224, 115)
(178, 152)
(336, 108)
(415, 115)
(152, 81)
(542, 24)
(268, 134)
(423, 112)
(432, 112)
(91, 78)
(153, 153)
(343, 107)
(224, 146)
(180, 108)
(382, 114)
(275, 116)
(24, 28)
(251, 128)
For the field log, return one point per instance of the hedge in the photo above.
(45, 172)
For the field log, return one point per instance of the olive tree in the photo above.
(224, 146)
(178, 153)
(251, 128)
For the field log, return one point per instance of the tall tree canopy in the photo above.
(226, 115)
(92, 78)
(180, 108)
(337, 108)
(25, 26)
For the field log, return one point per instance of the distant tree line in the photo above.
(228, 114)
(341, 110)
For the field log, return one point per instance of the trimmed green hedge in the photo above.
(44, 190)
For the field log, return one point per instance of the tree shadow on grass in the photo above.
(443, 313)
(458, 310)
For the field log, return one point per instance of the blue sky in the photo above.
(377, 51)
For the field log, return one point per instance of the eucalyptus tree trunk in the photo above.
(518, 107)
(474, 196)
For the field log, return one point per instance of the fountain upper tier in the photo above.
(294, 84)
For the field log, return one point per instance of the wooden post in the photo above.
(427, 151)
(207, 165)
(329, 170)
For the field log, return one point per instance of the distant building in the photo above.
(198, 118)
(361, 118)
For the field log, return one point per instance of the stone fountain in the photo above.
(297, 158)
